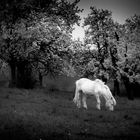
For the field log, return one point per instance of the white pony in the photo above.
(97, 88)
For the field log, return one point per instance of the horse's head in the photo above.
(110, 100)
(110, 105)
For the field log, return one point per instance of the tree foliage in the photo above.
(35, 35)
(81, 56)
(101, 32)
(117, 46)
(129, 52)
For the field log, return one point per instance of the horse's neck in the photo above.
(106, 97)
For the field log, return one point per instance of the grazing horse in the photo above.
(97, 88)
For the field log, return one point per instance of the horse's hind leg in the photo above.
(78, 98)
(84, 98)
(98, 105)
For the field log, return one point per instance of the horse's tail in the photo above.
(77, 95)
(110, 94)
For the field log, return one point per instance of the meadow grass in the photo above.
(40, 114)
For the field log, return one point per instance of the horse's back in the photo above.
(88, 86)
(83, 81)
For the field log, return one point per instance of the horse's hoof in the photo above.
(85, 108)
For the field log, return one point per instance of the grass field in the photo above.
(39, 114)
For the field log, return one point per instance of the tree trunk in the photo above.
(128, 87)
(114, 59)
(129, 90)
(116, 87)
(13, 78)
(21, 75)
(40, 79)
(24, 78)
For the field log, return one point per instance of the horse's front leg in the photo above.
(78, 103)
(98, 105)
(84, 98)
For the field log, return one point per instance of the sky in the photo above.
(121, 10)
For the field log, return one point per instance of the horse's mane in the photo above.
(99, 81)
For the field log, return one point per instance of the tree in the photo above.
(35, 36)
(81, 58)
(101, 31)
(130, 53)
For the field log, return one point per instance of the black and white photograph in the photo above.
(69, 69)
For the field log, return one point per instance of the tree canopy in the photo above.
(36, 34)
